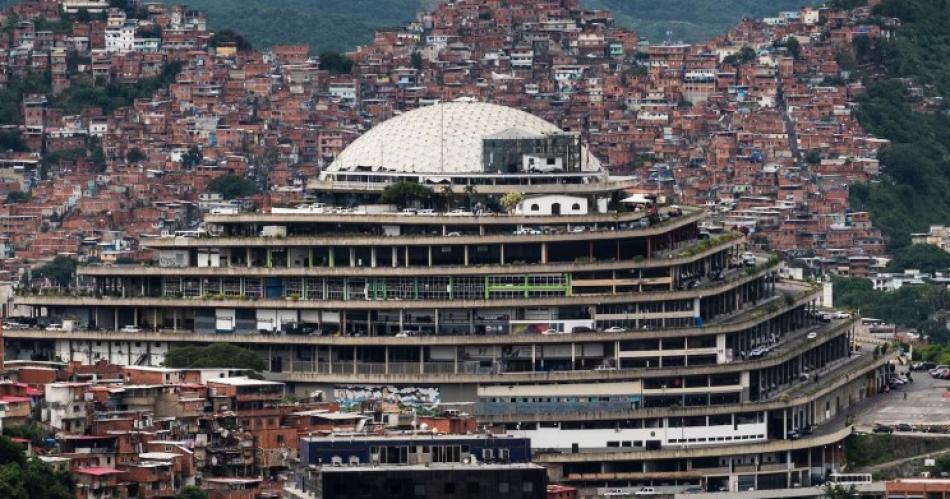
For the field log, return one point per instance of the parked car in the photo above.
(882, 428)
(812, 335)
(552, 331)
(57, 327)
(130, 329)
(646, 491)
(614, 329)
(453, 234)
(748, 259)
(523, 231)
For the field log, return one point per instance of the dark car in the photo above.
(903, 427)
(883, 428)
(300, 328)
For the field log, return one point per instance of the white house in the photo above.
(552, 204)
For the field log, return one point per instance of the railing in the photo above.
(379, 368)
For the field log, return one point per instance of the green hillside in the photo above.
(325, 24)
(342, 24)
(913, 194)
(689, 20)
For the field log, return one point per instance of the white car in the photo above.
(545, 168)
(55, 327)
(614, 329)
(523, 231)
(552, 331)
(840, 315)
(812, 335)
(645, 491)
(460, 213)
(130, 329)
(426, 211)
(453, 234)
(748, 259)
(405, 334)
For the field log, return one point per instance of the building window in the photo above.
(576, 206)
(535, 207)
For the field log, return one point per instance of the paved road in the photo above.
(898, 462)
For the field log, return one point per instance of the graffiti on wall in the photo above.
(410, 396)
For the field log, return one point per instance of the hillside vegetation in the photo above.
(689, 20)
(337, 25)
(342, 24)
(913, 194)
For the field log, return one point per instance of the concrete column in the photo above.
(784, 424)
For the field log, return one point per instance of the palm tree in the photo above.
(447, 195)
(470, 192)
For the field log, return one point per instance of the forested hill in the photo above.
(911, 70)
(340, 25)
(337, 25)
(689, 20)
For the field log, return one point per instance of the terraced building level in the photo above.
(524, 285)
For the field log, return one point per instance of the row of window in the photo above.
(715, 439)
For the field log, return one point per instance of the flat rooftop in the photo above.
(434, 467)
(243, 381)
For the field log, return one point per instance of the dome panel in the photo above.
(444, 138)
